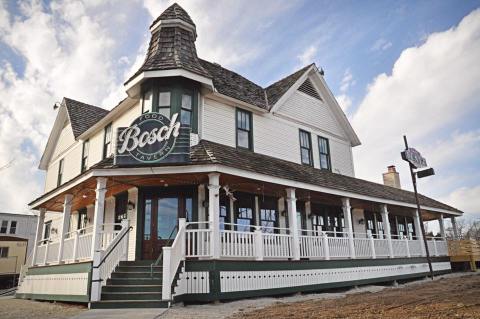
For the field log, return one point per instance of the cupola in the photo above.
(171, 52)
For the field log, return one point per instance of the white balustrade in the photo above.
(237, 243)
(415, 246)
(442, 248)
(399, 246)
(363, 248)
(338, 246)
(198, 239)
(381, 247)
(114, 253)
(172, 257)
(277, 245)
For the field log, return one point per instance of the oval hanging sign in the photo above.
(153, 138)
(414, 157)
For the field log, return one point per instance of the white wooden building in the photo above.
(202, 185)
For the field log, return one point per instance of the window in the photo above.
(3, 252)
(244, 208)
(13, 227)
(244, 129)
(147, 104)
(268, 215)
(60, 172)
(86, 146)
(107, 140)
(224, 211)
(3, 228)
(82, 218)
(186, 109)
(324, 149)
(317, 223)
(306, 148)
(46, 230)
(164, 99)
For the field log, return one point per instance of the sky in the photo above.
(396, 67)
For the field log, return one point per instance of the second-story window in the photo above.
(3, 227)
(244, 129)
(13, 227)
(147, 104)
(46, 230)
(60, 172)
(306, 148)
(85, 148)
(324, 149)
(107, 140)
(186, 109)
(164, 103)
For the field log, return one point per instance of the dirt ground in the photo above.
(20, 309)
(444, 298)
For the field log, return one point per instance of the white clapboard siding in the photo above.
(218, 123)
(341, 157)
(311, 111)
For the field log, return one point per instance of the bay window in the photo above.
(164, 103)
(186, 109)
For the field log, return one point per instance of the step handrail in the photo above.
(157, 261)
(112, 248)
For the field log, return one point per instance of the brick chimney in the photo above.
(391, 177)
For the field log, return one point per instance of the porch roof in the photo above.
(207, 152)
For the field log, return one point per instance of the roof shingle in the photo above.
(82, 116)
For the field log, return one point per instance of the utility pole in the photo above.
(422, 227)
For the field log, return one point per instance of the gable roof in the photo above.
(82, 116)
(276, 90)
(236, 86)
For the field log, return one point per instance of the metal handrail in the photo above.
(157, 261)
(111, 249)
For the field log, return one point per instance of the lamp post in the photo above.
(415, 160)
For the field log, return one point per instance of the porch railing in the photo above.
(257, 242)
(77, 245)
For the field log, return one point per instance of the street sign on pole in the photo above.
(415, 160)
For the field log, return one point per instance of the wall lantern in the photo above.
(130, 205)
(361, 221)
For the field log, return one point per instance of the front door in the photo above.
(161, 214)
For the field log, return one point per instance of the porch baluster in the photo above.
(75, 247)
(372, 244)
(326, 249)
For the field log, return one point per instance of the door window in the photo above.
(167, 217)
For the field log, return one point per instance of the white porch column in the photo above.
(348, 224)
(386, 228)
(282, 218)
(454, 227)
(99, 212)
(308, 215)
(201, 209)
(292, 222)
(441, 223)
(38, 234)
(213, 212)
(67, 209)
(418, 230)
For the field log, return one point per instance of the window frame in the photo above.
(13, 225)
(328, 154)
(149, 90)
(45, 226)
(192, 106)
(310, 154)
(249, 131)
(4, 252)
(61, 168)
(85, 149)
(105, 143)
(267, 206)
(4, 222)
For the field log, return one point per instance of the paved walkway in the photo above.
(147, 313)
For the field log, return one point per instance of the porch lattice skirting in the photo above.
(217, 280)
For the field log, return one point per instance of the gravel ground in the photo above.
(447, 297)
(362, 302)
(19, 309)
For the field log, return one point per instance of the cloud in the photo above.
(345, 102)
(466, 199)
(65, 48)
(381, 45)
(307, 56)
(423, 96)
(225, 29)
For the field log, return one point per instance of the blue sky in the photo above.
(395, 66)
